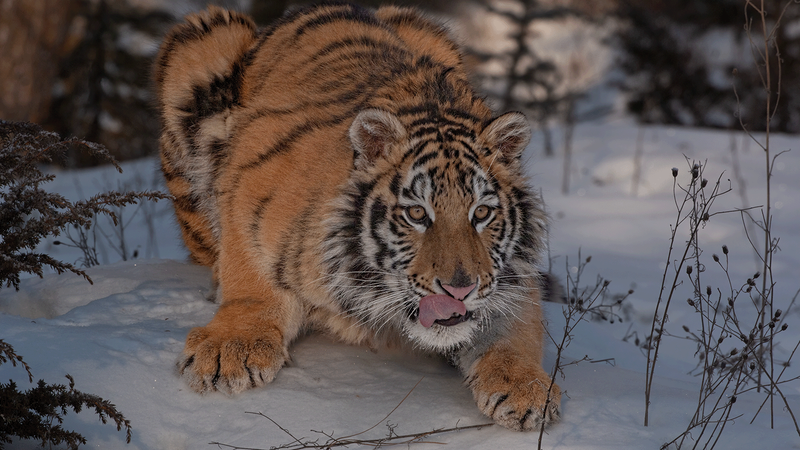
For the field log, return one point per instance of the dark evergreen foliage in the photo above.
(39, 412)
(28, 213)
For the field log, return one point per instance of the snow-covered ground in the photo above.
(120, 337)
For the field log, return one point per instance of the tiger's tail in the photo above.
(198, 80)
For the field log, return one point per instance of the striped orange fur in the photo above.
(339, 173)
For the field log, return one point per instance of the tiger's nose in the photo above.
(459, 293)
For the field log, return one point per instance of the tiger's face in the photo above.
(437, 234)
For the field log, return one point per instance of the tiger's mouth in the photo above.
(443, 310)
(455, 319)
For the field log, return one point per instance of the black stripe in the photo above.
(289, 139)
(292, 249)
(219, 152)
(196, 236)
(458, 130)
(187, 32)
(171, 172)
(358, 43)
(424, 131)
(524, 418)
(354, 95)
(384, 65)
(351, 14)
(499, 401)
(258, 215)
(221, 94)
(426, 108)
(467, 152)
(464, 115)
(416, 150)
(217, 374)
(377, 216)
(422, 160)
(188, 203)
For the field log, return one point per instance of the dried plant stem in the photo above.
(699, 213)
(580, 302)
(772, 86)
(344, 441)
(339, 442)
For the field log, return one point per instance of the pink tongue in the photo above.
(435, 307)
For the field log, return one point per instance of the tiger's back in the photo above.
(219, 78)
(338, 172)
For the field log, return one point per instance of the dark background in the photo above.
(82, 67)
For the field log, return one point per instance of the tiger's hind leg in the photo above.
(198, 77)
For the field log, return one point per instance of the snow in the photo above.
(120, 337)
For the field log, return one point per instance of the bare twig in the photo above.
(344, 441)
(580, 302)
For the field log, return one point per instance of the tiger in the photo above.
(339, 174)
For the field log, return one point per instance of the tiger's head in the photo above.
(437, 235)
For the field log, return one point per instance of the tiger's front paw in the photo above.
(516, 399)
(231, 361)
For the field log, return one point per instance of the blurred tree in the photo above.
(672, 79)
(82, 68)
(103, 89)
(34, 37)
(528, 81)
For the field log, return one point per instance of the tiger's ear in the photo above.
(508, 135)
(372, 134)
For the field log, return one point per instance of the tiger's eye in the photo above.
(416, 213)
(481, 212)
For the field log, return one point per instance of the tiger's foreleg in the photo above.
(246, 342)
(507, 380)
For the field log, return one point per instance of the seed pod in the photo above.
(703, 183)
(784, 327)
(778, 313)
(716, 258)
(690, 302)
(708, 291)
(734, 352)
(725, 249)
(674, 172)
(688, 270)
